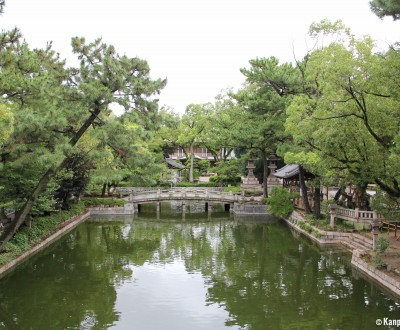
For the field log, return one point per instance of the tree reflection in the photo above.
(259, 274)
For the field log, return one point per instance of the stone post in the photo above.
(331, 216)
(375, 232)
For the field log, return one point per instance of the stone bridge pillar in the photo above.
(209, 208)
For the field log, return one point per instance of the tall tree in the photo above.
(271, 86)
(104, 77)
(192, 128)
(382, 8)
(351, 120)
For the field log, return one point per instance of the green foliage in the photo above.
(41, 227)
(229, 172)
(233, 189)
(378, 261)
(309, 228)
(51, 115)
(280, 202)
(340, 129)
(388, 206)
(250, 193)
(203, 166)
(73, 179)
(199, 184)
(325, 205)
(92, 201)
(382, 244)
(6, 123)
(383, 8)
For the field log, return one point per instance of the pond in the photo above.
(197, 273)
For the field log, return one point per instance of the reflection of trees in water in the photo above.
(283, 283)
(257, 272)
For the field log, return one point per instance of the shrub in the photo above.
(92, 201)
(381, 245)
(200, 184)
(41, 227)
(280, 202)
(234, 189)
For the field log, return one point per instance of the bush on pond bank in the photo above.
(42, 227)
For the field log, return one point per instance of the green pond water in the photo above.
(197, 273)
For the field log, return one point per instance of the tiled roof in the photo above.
(175, 164)
(287, 171)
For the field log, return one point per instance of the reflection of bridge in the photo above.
(209, 196)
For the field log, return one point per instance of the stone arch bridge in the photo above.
(237, 203)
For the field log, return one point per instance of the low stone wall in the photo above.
(327, 237)
(64, 228)
(118, 210)
(250, 209)
(377, 275)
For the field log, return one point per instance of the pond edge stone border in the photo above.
(62, 229)
(386, 281)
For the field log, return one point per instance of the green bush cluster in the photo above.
(93, 201)
(250, 193)
(309, 228)
(41, 227)
(280, 202)
(200, 184)
(224, 180)
(233, 189)
(382, 245)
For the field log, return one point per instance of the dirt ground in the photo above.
(392, 255)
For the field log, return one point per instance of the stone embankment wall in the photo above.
(382, 278)
(127, 209)
(63, 229)
(250, 209)
(352, 243)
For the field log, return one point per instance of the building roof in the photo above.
(287, 171)
(174, 164)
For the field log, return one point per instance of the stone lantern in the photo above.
(272, 180)
(250, 182)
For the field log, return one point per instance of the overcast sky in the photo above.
(198, 45)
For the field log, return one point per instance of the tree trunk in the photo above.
(360, 197)
(191, 163)
(303, 189)
(24, 211)
(3, 213)
(265, 174)
(103, 190)
(317, 202)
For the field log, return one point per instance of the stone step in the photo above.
(362, 240)
(356, 245)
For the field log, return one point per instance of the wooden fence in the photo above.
(390, 226)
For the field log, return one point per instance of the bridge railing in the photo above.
(354, 214)
(135, 190)
(204, 194)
